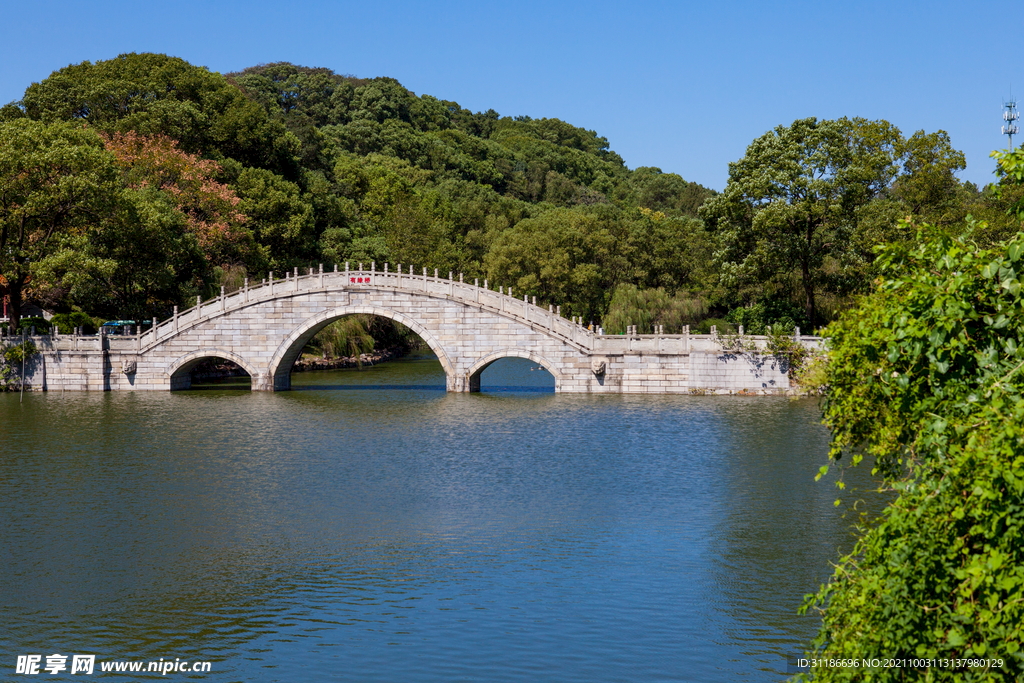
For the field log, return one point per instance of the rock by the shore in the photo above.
(372, 358)
(217, 369)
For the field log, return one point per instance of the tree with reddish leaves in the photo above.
(210, 207)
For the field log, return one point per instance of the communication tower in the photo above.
(1011, 115)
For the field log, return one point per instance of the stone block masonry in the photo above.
(264, 329)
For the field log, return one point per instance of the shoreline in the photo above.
(221, 370)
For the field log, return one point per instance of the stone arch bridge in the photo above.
(264, 329)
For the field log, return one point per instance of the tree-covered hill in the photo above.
(320, 167)
(202, 179)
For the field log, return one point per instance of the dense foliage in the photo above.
(925, 378)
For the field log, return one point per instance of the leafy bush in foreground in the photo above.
(925, 377)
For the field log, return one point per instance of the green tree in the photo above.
(154, 94)
(283, 222)
(140, 262)
(791, 201)
(56, 179)
(563, 255)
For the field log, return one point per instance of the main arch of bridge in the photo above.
(290, 349)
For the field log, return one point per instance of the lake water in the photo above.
(367, 526)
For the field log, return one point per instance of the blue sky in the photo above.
(682, 86)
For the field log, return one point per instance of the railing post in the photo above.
(270, 279)
(199, 307)
(175, 318)
(222, 298)
(321, 283)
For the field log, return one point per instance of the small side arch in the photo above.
(179, 372)
(288, 351)
(473, 375)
